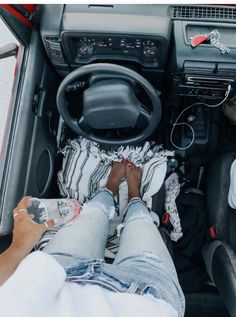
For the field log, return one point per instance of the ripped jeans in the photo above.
(142, 265)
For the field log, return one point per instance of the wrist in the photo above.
(9, 260)
(18, 251)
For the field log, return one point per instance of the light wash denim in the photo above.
(142, 265)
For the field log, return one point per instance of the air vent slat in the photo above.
(54, 49)
(203, 13)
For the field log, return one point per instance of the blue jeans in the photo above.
(142, 265)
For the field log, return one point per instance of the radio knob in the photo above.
(150, 52)
(86, 50)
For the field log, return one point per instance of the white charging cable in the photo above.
(188, 125)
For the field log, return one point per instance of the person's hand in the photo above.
(26, 232)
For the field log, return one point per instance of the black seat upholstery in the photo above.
(205, 303)
(167, 240)
(208, 300)
(220, 253)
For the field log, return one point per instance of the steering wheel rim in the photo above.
(155, 115)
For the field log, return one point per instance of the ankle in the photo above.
(134, 194)
(112, 188)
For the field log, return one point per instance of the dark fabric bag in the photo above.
(187, 250)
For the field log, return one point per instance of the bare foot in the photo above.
(116, 174)
(133, 175)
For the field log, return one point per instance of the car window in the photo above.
(7, 66)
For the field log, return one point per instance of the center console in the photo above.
(203, 71)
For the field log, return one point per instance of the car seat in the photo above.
(220, 253)
(206, 301)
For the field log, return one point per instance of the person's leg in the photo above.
(143, 252)
(139, 237)
(85, 238)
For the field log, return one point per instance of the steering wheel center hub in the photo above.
(110, 104)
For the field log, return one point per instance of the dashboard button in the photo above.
(86, 50)
(150, 51)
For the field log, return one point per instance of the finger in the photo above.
(49, 223)
(52, 222)
(17, 212)
(22, 214)
(29, 202)
(23, 202)
(23, 210)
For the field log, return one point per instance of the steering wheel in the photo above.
(153, 117)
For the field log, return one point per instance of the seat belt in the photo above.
(25, 13)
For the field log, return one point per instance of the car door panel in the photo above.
(29, 141)
(43, 145)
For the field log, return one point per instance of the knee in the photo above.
(136, 210)
(97, 207)
(135, 216)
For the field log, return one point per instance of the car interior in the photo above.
(124, 74)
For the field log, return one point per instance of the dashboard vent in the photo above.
(204, 13)
(54, 49)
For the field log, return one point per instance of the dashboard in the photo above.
(80, 49)
(153, 39)
(81, 34)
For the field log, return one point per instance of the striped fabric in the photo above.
(86, 167)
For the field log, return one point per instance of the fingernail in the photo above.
(29, 202)
(129, 165)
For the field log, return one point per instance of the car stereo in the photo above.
(204, 86)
